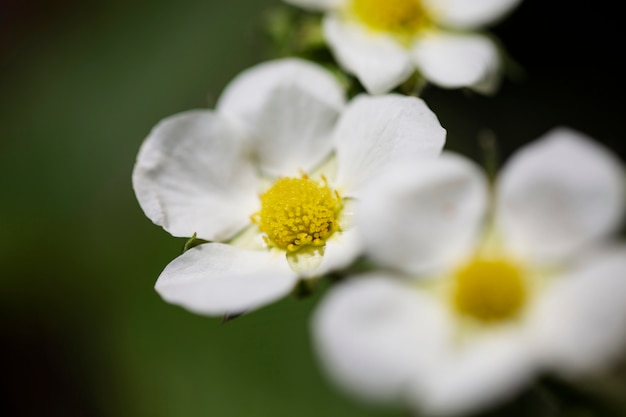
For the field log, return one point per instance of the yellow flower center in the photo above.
(298, 212)
(489, 290)
(400, 17)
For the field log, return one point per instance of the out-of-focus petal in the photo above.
(486, 371)
(376, 59)
(376, 133)
(373, 333)
(458, 60)
(425, 216)
(580, 321)
(193, 175)
(558, 194)
(288, 108)
(216, 279)
(468, 14)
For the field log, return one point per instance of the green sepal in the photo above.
(490, 154)
(193, 241)
(227, 318)
(413, 86)
(305, 288)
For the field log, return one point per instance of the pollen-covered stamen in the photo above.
(298, 212)
(489, 290)
(397, 16)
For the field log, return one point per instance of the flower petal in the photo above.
(317, 5)
(558, 194)
(467, 14)
(377, 60)
(422, 217)
(373, 333)
(375, 133)
(288, 107)
(458, 60)
(216, 279)
(484, 372)
(192, 176)
(340, 251)
(580, 323)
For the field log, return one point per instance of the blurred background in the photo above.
(83, 333)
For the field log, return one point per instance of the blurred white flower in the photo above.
(382, 42)
(270, 179)
(482, 301)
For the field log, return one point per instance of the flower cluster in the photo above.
(448, 292)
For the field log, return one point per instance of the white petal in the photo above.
(375, 133)
(341, 249)
(424, 216)
(317, 5)
(581, 321)
(469, 13)
(458, 60)
(289, 108)
(558, 194)
(484, 372)
(372, 334)
(377, 60)
(192, 175)
(217, 279)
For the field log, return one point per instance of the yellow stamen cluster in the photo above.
(397, 16)
(489, 290)
(298, 212)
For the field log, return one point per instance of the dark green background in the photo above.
(81, 83)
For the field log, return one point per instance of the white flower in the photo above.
(382, 42)
(271, 178)
(476, 309)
